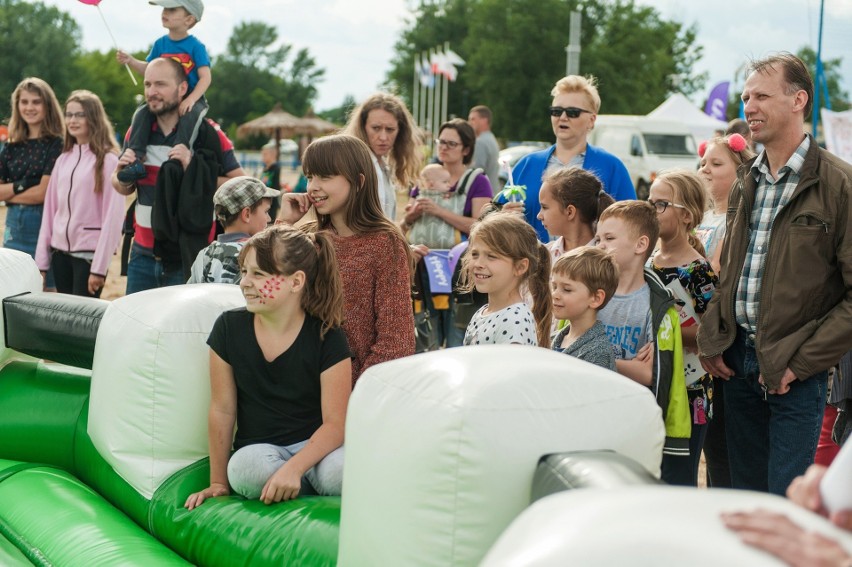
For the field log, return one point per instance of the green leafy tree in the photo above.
(831, 67)
(253, 74)
(36, 40)
(340, 114)
(515, 52)
(100, 73)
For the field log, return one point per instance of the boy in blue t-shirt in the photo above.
(179, 16)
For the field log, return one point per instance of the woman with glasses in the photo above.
(469, 192)
(82, 213)
(575, 106)
(385, 125)
(35, 141)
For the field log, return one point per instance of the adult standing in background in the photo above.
(575, 106)
(82, 213)
(35, 141)
(485, 154)
(782, 314)
(271, 175)
(385, 125)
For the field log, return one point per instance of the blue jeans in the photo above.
(147, 272)
(23, 223)
(771, 438)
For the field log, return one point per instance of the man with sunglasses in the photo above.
(782, 314)
(575, 106)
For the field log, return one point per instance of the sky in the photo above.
(353, 39)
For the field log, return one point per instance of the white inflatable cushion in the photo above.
(642, 527)
(441, 447)
(151, 380)
(18, 274)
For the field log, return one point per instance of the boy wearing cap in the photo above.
(179, 16)
(242, 206)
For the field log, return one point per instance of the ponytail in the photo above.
(323, 294)
(538, 281)
(604, 201)
(695, 243)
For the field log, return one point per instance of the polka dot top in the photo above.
(514, 324)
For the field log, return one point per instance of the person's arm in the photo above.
(205, 77)
(391, 304)
(112, 220)
(128, 157)
(637, 370)
(33, 195)
(135, 64)
(336, 385)
(220, 429)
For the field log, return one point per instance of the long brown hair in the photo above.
(349, 157)
(284, 250)
(101, 133)
(405, 156)
(511, 236)
(53, 125)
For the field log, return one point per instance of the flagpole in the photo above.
(115, 43)
(430, 95)
(446, 86)
(415, 96)
(424, 93)
(436, 111)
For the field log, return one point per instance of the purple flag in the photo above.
(717, 102)
(438, 268)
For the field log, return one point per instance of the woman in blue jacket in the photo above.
(575, 106)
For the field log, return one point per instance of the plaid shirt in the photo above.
(770, 197)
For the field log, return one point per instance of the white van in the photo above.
(645, 146)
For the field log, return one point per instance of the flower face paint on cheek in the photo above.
(269, 288)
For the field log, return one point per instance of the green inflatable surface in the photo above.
(62, 504)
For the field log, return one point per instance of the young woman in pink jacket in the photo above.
(83, 215)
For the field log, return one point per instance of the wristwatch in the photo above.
(18, 188)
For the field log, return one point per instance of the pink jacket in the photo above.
(76, 219)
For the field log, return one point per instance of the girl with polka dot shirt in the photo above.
(505, 255)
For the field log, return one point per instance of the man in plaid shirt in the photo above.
(782, 314)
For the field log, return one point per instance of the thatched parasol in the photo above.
(276, 122)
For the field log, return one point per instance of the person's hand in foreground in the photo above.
(197, 499)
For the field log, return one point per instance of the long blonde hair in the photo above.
(53, 125)
(284, 250)
(511, 236)
(101, 133)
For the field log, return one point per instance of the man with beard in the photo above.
(165, 87)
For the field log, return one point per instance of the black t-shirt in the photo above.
(278, 402)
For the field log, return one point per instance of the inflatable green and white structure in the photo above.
(100, 448)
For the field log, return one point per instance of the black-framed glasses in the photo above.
(661, 206)
(571, 111)
(70, 115)
(447, 144)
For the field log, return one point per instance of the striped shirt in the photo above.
(771, 195)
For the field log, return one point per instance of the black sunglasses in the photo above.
(571, 111)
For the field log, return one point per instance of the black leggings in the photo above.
(71, 274)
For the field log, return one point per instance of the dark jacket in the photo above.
(805, 316)
(182, 214)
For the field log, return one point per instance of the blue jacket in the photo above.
(607, 167)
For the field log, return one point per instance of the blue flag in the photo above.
(717, 102)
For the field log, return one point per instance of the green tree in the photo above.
(100, 73)
(36, 40)
(340, 114)
(253, 74)
(831, 67)
(515, 52)
(433, 23)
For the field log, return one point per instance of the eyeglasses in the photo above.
(70, 115)
(571, 111)
(448, 144)
(661, 206)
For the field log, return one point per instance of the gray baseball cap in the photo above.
(240, 192)
(194, 7)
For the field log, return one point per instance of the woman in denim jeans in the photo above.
(35, 141)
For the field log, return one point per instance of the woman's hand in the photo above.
(412, 213)
(96, 282)
(215, 489)
(428, 207)
(285, 484)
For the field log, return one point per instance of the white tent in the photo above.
(680, 109)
